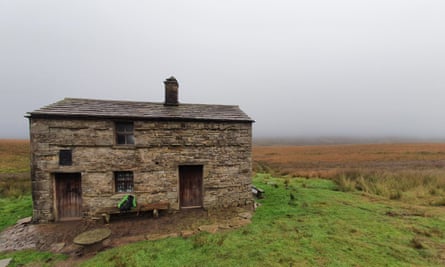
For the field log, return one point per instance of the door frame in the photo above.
(201, 186)
(57, 176)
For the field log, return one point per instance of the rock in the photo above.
(238, 222)
(57, 247)
(5, 262)
(25, 220)
(224, 226)
(106, 243)
(187, 233)
(92, 236)
(159, 236)
(72, 249)
(213, 228)
(246, 215)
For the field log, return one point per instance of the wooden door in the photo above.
(190, 186)
(68, 195)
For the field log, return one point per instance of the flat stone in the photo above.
(246, 215)
(5, 262)
(72, 249)
(159, 236)
(25, 220)
(187, 233)
(57, 247)
(213, 228)
(92, 236)
(224, 226)
(238, 222)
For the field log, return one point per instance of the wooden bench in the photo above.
(141, 207)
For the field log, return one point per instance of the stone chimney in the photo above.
(171, 92)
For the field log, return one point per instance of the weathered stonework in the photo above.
(223, 148)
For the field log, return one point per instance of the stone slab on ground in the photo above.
(160, 236)
(5, 262)
(187, 233)
(25, 220)
(92, 236)
(57, 247)
(213, 228)
(246, 215)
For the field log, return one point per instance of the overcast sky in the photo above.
(299, 68)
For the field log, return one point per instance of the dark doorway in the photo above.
(190, 186)
(68, 196)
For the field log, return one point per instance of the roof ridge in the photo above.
(144, 102)
(85, 107)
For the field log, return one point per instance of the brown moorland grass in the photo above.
(398, 171)
(14, 168)
(14, 156)
(327, 161)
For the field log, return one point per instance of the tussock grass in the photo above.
(13, 209)
(14, 185)
(416, 186)
(14, 168)
(406, 172)
(14, 155)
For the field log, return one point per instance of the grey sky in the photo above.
(299, 68)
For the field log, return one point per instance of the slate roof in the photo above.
(93, 108)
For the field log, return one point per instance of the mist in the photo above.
(363, 69)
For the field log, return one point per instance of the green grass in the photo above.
(13, 209)
(306, 223)
(32, 258)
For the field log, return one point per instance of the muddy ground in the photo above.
(125, 228)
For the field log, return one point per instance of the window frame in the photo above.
(65, 157)
(126, 134)
(123, 181)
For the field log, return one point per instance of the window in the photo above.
(124, 133)
(65, 157)
(123, 181)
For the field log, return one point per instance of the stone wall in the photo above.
(224, 150)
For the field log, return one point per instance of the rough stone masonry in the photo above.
(218, 138)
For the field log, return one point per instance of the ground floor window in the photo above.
(123, 181)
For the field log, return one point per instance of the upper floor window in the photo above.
(65, 157)
(124, 133)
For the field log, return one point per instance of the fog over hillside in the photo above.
(347, 68)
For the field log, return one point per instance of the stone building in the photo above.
(86, 154)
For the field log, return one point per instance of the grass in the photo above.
(15, 209)
(328, 161)
(14, 168)
(406, 172)
(14, 155)
(311, 223)
(383, 205)
(32, 258)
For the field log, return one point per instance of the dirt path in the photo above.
(125, 228)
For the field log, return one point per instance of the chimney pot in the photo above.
(171, 92)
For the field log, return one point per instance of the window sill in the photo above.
(124, 146)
